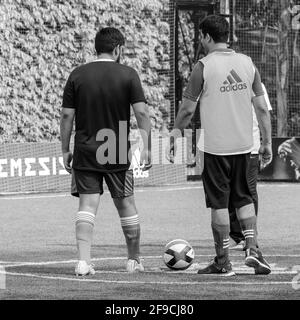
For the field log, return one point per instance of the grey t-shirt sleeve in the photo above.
(195, 84)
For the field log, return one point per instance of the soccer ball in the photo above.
(178, 254)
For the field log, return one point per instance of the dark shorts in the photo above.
(120, 184)
(225, 180)
(253, 171)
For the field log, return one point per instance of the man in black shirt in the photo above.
(99, 95)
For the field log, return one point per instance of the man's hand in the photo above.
(290, 148)
(284, 149)
(265, 152)
(67, 158)
(145, 160)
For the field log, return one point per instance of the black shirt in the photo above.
(101, 93)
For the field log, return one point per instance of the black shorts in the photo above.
(120, 184)
(253, 170)
(225, 180)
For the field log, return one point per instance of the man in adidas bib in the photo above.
(99, 95)
(225, 81)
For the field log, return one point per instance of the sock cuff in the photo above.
(248, 223)
(85, 216)
(226, 243)
(249, 233)
(221, 235)
(130, 221)
(220, 227)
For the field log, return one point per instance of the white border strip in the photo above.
(239, 271)
(180, 283)
(137, 190)
(9, 264)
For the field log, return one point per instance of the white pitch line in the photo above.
(45, 263)
(9, 264)
(42, 263)
(165, 272)
(170, 189)
(35, 197)
(283, 185)
(258, 283)
(105, 191)
(69, 195)
(137, 190)
(240, 270)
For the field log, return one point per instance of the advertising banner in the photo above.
(38, 167)
(286, 161)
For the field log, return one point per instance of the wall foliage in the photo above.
(42, 41)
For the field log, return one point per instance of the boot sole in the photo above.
(135, 271)
(227, 274)
(259, 267)
(85, 274)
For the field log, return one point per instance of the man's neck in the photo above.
(105, 56)
(219, 46)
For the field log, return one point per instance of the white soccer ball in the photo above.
(178, 254)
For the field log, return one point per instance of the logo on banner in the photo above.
(136, 167)
(31, 167)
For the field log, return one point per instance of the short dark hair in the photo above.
(216, 26)
(107, 39)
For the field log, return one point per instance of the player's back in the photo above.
(103, 92)
(102, 97)
(226, 113)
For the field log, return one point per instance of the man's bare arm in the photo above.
(66, 127)
(185, 114)
(141, 111)
(263, 118)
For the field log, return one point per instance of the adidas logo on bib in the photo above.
(233, 83)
